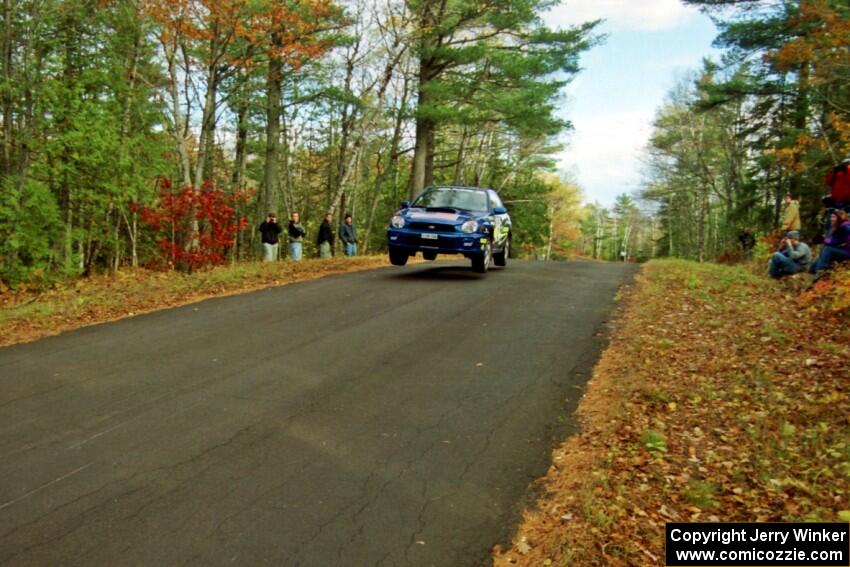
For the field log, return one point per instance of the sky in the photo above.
(651, 44)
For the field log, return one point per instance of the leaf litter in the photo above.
(722, 396)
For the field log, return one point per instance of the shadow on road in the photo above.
(436, 273)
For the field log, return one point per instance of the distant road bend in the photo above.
(388, 417)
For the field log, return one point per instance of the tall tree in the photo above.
(490, 62)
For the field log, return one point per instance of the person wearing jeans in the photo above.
(270, 230)
(348, 236)
(296, 236)
(836, 246)
(793, 256)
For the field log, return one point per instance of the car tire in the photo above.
(501, 258)
(398, 257)
(429, 255)
(480, 263)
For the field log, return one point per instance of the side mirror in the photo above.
(405, 204)
(500, 211)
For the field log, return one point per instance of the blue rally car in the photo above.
(452, 220)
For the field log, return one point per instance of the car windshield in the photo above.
(455, 198)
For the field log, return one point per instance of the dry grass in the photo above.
(29, 316)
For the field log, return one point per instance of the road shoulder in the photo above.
(29, 316)
(721, 397)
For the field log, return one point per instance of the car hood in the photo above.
(422, 215)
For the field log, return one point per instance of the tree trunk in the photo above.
(7, 99)
(274, 84)
(422, 174)
(238, 176)
(207, 136)
(458, 179)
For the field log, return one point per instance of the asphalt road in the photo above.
(389, 417)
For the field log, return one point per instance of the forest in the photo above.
(770, 118)
(158, 133)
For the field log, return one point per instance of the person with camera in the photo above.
(792, 258)
(270, 231)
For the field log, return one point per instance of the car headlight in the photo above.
(397, 221)
(469, 226)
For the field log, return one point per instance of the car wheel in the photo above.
(429, 255)
(501, 258)
(398, 257)
(481, 262)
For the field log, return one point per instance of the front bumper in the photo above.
(446, 243)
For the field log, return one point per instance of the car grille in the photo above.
(432, 227)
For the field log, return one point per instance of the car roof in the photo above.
(464, 187)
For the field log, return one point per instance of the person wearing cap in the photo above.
(269, 231)
(791, 217)
(325, 241)
(348, 236)
(793, 256)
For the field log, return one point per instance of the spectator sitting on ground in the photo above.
(836, 246)
(793, 256)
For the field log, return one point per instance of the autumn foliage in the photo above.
(194, 228)
(723, 397)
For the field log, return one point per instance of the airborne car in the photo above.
(452, 220)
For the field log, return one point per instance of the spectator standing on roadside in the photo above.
(836, 246)
(270, 231)
(325, 240)
(296, 233)
(793, 256)
(348, 235)
(791, 217)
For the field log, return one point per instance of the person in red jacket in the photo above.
(838, 181)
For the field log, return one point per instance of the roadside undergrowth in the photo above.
(722, 396)
(27, 316)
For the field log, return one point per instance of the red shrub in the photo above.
(195, 228)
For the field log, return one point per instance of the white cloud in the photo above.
(622, 14)
(604, 153)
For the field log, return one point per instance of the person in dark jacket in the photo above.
(270, 231)
(747, 241)
(348, 235)
(793, 256)
(836, 246)
(296, 237)
(325, 240)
